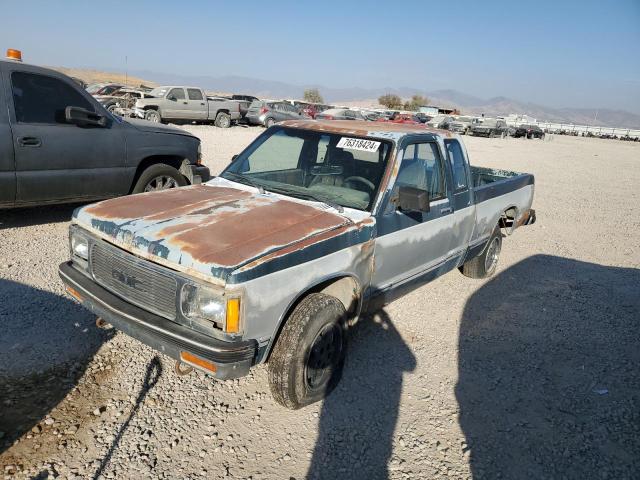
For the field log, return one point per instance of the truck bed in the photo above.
(483, 176)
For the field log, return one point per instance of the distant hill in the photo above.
(355, 95)
(96, 76)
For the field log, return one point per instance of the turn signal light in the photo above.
(14, 54)
(232, 324)
(191, 359)
(74, 293)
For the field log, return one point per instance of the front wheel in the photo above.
(223, 120)
(307, 360)
(159, 177)
(153, 116)
(485, 264)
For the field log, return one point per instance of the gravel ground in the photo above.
(530, 374)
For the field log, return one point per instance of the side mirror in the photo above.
(84, 118)
(172, 98)
(411, 199)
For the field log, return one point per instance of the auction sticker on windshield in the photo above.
(358, 144)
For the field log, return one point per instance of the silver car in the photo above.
(269, 113)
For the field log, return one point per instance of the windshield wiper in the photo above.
(248, 180)
(311, 195)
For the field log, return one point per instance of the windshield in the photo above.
(327, 167)
(464, 119)
(158, 92)
(489, 122)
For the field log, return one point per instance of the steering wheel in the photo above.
(362, 180)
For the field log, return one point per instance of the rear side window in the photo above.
(194, 94)
(456, 158)
(43, 99)
(176, 93)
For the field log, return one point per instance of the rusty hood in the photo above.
(207, 230)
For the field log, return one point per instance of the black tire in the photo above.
(153, 116)
(223, 120)
(112, 109)
(269, 122)
(485, 264)
(313, 335)
(160, 175)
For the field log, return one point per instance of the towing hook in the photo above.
(101, 323)
(182, 369)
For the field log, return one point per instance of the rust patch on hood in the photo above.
(166, 204)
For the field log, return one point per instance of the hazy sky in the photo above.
(562, 52)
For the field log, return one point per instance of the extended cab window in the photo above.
(422, 168)
(176, 93)
(194, 94)
(456, 158)
(43, 99)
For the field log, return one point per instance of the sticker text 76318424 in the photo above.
(358, 144)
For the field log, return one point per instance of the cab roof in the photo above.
(363, 128)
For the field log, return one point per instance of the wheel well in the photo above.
(345, 289)
(508, 218)
(222, 110)
(172, 160)
(150, 107)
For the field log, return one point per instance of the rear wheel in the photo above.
(269, 122)
(485, 264)
(159, 177)
(223, 120)
(307, 360)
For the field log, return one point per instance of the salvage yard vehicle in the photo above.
(462, 124)
(528, 131)
(121, 101)
(58, 144)
(489, 127)
(340, 114)
(440, 121)
(186, 104)
(312, 225)
(268, 114)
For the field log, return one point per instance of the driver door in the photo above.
(410, 244)
(57, 161)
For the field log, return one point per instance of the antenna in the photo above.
(126, 72)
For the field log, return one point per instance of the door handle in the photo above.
(29, 141)
(185, 103)
(202, 104)
(445, 210)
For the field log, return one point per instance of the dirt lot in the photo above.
(531, 374)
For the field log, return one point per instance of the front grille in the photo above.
(132, 279)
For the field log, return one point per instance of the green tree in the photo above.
(312, 95)
(416, 102)
(390, 101)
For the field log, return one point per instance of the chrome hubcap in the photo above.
(493, 252)
(163, 182)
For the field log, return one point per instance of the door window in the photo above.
(456, 158)
(176, 93)
(422, 168)
(43, 99)
(194, 94)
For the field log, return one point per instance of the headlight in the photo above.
(202, 303)
(79, 244)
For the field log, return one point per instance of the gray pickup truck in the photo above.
(58, 144)
(190, 104)
(313, 224)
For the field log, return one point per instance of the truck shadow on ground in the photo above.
(26, 217)
(549, 385)
(358, 419)
(46, 343)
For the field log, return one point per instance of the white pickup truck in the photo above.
(186, 104)
(313, 224)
